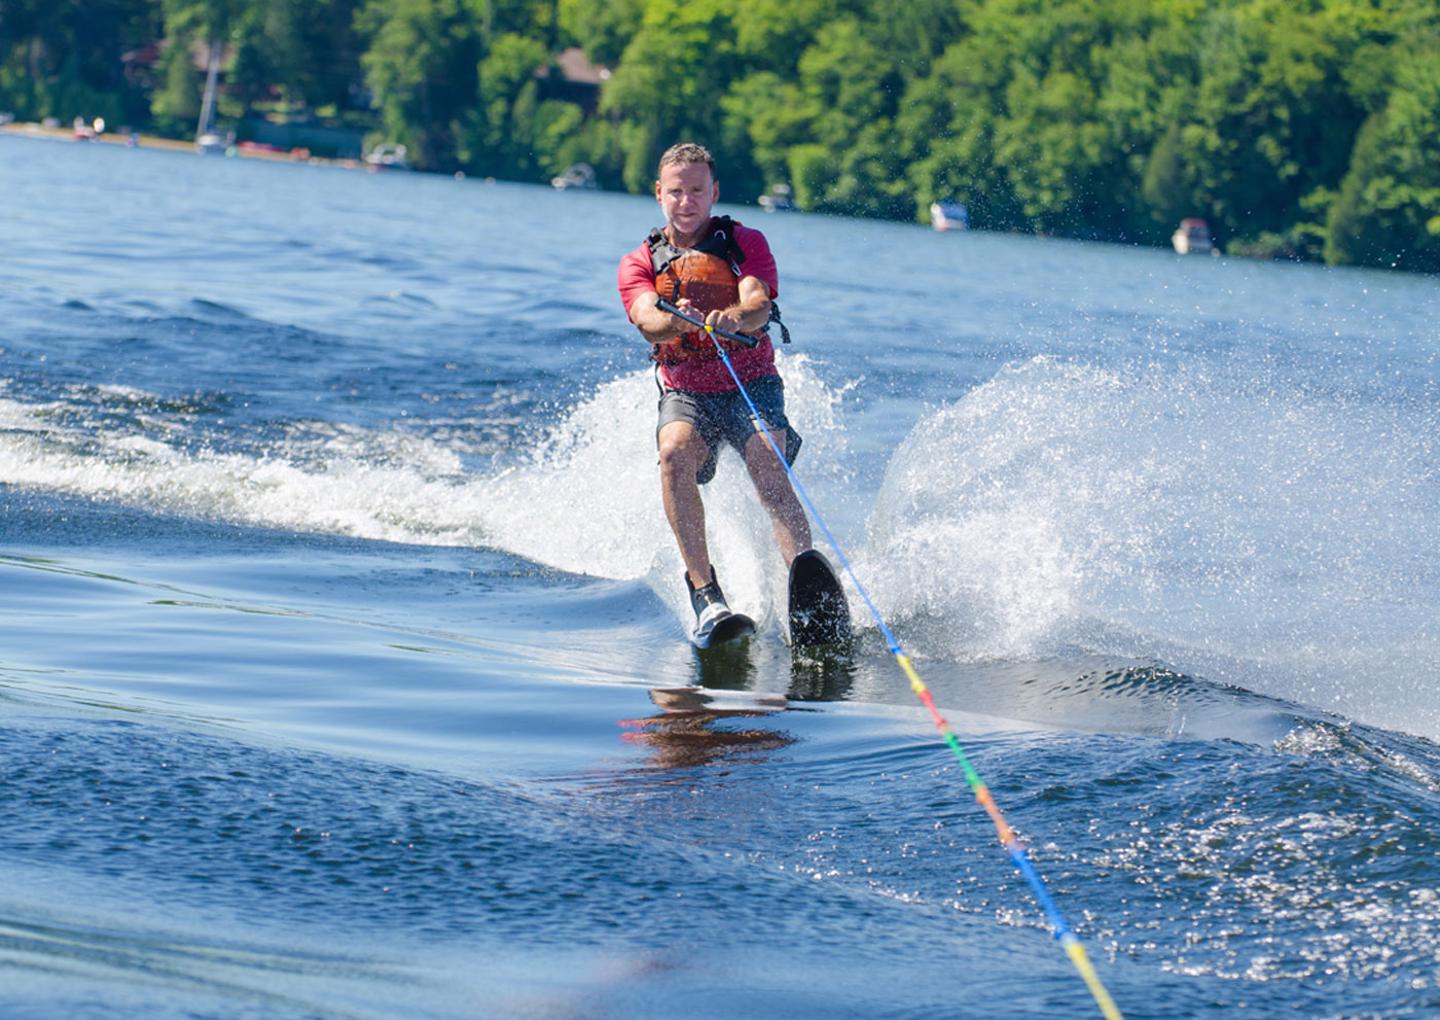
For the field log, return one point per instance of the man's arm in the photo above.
(655, 325)
(748, 314)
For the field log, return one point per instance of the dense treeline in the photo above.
(1301, 127)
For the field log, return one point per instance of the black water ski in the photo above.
(819, 614)
(728, 628)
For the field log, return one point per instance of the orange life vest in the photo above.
(708, 275)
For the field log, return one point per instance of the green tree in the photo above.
(813, 172)
(176, 105)
(315, 49)
(846, 78)
(201, 19)
(603, 30)
(946, 127)
(1057, 152)
(832, 130)
(1387, 212)
(62, 58)
(766, 116)
(772, 35)
(669, 85)
(1270, 121)
(308, 53)
(420, 63)
(191, 28)
(534, 19)
(1148, 79)
(504, 128)
(911, 35)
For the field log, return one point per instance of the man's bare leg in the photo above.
(772, 484)
(682, 451)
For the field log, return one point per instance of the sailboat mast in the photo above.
(207, 105)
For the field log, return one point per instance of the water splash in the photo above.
(1240, 524)
(582, 497)
(1228, 519)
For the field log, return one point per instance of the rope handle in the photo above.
(741, 338)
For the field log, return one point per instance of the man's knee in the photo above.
(760, 454)
(682, 451)
(767, 472)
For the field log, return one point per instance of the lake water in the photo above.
(344, 669)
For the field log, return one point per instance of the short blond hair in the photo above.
(685, 153)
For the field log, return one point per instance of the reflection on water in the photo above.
(684, 734)
(726, 667)
(688, 731)
(821, 674)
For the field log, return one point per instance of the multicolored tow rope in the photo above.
(1074, 949)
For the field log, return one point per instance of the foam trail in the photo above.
(585, 499)
(1245, 527)
(304, 489)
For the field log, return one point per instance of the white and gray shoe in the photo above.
(710, 607)
(715, 624)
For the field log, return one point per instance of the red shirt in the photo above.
(637, 275)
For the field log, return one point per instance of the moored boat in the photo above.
(1192, 237)
(778, 199)
(387, 156)
(949, 216)
(579, 175)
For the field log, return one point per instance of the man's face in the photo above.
(686, 192)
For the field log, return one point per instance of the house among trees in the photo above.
(571, 78)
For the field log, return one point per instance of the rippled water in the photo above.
(343, 667)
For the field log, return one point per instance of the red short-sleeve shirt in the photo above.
(637, 275)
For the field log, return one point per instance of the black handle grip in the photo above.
(741, 338)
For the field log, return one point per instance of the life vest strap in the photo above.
(775, 318)
(721, 242)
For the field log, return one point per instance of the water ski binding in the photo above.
(819, 612)
(715, 623)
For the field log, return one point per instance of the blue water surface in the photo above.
(344, 669)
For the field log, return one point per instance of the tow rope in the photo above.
(1067, 938)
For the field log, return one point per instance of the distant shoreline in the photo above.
(143, 141)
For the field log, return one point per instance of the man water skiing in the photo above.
(714, 269)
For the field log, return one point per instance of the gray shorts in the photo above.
(724, 418)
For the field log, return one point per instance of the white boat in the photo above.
(388, 156)
(949, 216)
(1192, 237)
(580, 175)
(778, 199)
(212, 144)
